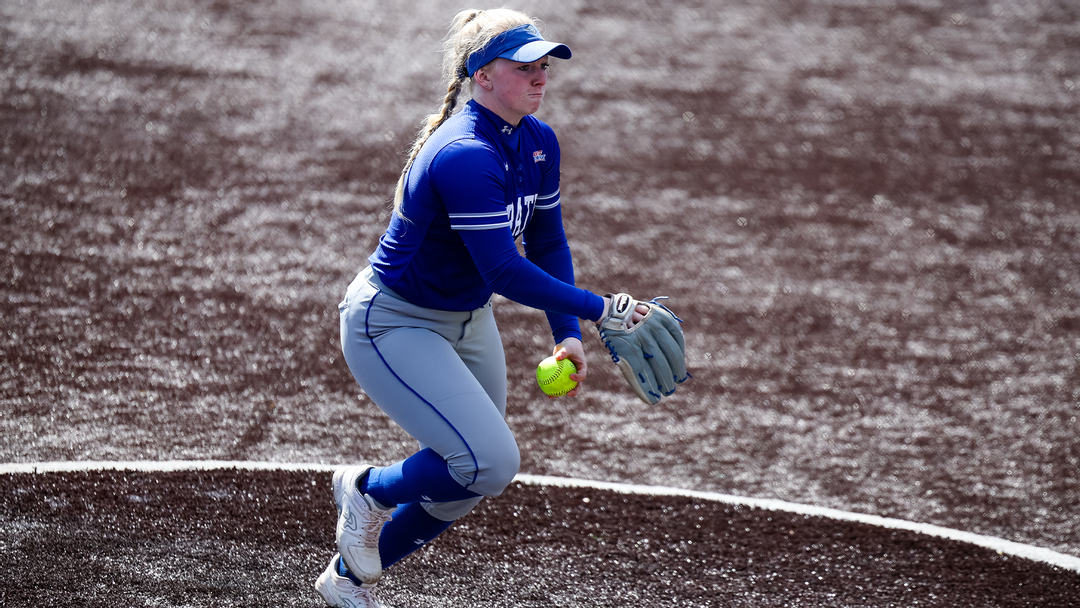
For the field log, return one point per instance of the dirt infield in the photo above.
(227, 537)
(865, 211)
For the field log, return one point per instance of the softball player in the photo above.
(417, 327)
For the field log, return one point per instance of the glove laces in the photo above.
(656, 302)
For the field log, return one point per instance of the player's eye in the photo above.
(529, 66)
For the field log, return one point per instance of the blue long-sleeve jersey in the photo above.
(477, 185)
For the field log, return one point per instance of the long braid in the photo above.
(432, 122)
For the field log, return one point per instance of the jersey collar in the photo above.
(508, 130)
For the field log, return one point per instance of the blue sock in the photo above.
(343, 571)
(422, 477)
(411, 528)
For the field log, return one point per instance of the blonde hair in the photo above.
(470, 31)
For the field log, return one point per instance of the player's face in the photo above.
(516, 88)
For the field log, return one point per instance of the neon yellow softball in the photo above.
(554, 376)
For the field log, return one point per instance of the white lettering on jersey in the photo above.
(520, 213)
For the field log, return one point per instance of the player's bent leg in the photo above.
(416, 377)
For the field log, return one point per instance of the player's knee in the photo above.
(502, 473)
(497, 470)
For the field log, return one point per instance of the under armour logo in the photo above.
(350, 519)
(425, 498)
(418, 542)
(507, 129)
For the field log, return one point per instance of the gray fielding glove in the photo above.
(652, 354)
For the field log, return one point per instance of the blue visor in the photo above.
(523, 44)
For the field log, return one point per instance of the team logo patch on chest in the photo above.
(539, 156)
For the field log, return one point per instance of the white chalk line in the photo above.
(999, 545)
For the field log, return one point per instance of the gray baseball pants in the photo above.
(441, 376)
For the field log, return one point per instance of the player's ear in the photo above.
(482, 77)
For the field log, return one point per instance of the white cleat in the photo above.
(341, 592)
(360, 522)
(352, 473)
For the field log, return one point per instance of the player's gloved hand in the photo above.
(651, 353)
